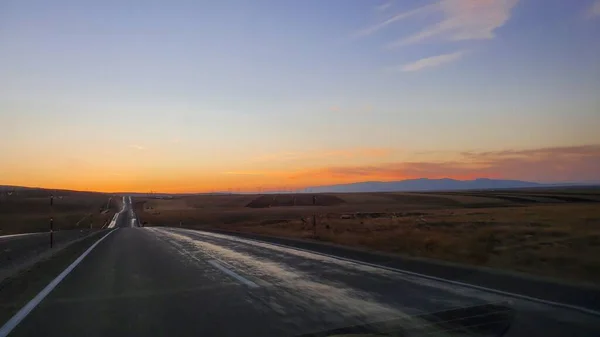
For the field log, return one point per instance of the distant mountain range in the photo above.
(422, 184)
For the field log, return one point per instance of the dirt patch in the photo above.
(511, 198)
(566, 198)
(421, 199)
(221, 201)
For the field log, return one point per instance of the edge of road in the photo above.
(583, 298)
(7, 236)
(32, 303)
(35, 256)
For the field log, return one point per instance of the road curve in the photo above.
(178, 282)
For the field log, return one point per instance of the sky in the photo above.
(200, 96)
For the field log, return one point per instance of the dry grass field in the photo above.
(29, 210)
(549, 232)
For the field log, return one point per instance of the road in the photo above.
(179, 282)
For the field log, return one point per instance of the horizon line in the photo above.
(304, 189)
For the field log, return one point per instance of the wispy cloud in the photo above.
(245, 173)
(594, 10)
(137, 147)
(431, 62)
(351, 110)
(574, 163)
(384, 6)
(464, 20)
(582, 150)
(336, 154)
(397, 17)
(457, 20)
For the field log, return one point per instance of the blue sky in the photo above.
(208, 86)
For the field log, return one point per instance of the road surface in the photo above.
(179, 282)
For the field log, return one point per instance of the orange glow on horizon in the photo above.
(227, 182)
(576, 163)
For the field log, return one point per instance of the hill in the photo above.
(422, 184)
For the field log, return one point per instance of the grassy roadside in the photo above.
(30, 211)
(527, 239)
(17, 290)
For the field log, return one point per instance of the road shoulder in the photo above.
(18, 289)
(583, 296)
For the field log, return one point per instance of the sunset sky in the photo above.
(194, 96)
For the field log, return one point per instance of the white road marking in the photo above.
(245, 281)
(113, 222)
(19, 316)
(214, 262)
(80, 220)
(406, 272)
(333, 297)
(22, 234)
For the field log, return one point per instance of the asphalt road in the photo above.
(179, 282)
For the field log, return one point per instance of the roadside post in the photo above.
(51, 220)
(314, 219)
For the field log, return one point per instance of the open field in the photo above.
(549, 232)
(29, 210)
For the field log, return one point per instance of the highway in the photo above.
(179, 282)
